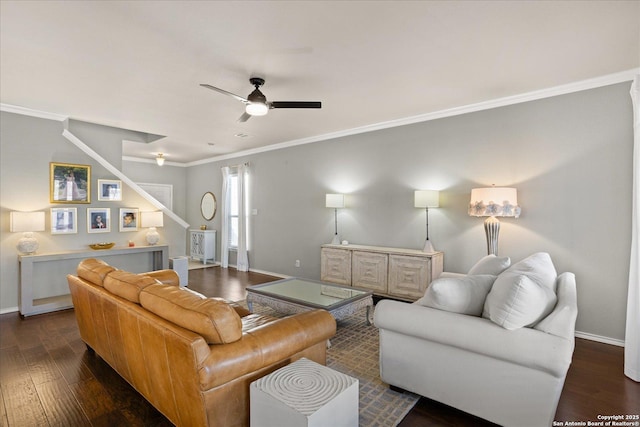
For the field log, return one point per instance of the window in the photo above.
(234, 209)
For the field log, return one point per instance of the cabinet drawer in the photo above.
(409, 276)
(369, 271)
(335, 266)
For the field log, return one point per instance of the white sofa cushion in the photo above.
(490, 264)
(465, 295)
(523, 294)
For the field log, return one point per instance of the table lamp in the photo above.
(492, 202)
(152, 220)
(335, 201)
(27, 222)
(427, 199)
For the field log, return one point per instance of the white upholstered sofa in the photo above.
(483, 349)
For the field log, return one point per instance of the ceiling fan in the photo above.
(256, 103)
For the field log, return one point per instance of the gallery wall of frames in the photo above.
(71, 184)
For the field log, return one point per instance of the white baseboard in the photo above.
(8, 310)
(599, 338)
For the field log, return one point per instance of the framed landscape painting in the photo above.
(69, 183)
(64, 220)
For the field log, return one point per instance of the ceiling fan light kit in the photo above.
(256, 103)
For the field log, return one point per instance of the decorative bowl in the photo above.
(103, 245)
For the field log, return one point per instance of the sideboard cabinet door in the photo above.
(409, 276)
(335, 266)
(369, 271)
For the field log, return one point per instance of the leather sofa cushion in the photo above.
(214, 319)
(94, 270)
(127, 285)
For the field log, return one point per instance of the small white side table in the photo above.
(304, 394)
(203, 245)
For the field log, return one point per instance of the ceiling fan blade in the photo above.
(224, 92)
(244, 117)
(295, 104)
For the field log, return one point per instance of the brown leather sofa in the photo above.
(191, 357)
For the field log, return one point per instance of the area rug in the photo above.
(354, 351)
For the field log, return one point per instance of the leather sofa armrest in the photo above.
(525, 346)
(167, 277)
(266, 345)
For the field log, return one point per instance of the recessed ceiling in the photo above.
(138, 65)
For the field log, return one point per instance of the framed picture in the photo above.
(69, 183)
(109, 189)
(64, 220)
(98, 220)
(129, 218)
(161, 192)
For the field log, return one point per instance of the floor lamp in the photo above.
(427, 199)
(335, 201)
(492, 202)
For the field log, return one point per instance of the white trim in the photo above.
(153, 161)
(109, 167)
(269, 273)
(33, 113)
(599, 338)
(8, 310)
(579, 86)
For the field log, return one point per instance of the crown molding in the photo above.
(33, 113)
(153, 161)
(607, 80)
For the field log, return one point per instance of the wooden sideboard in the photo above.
(394, 272)
(47, 290)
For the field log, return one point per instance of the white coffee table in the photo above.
(295, 295)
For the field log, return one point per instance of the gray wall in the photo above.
(569, 156)
(27, 146)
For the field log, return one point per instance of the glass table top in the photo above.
(309, 292)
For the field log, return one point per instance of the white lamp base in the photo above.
(152, 236)
(28, 244)
(428, 247)
(491, 229)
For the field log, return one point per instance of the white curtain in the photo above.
(224, 238)
(632, 336)
(243, 216)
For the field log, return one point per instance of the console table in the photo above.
(56, 280)
(395, 272)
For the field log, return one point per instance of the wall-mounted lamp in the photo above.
(335, 201)
(27, 222)
(160, 159)
(427, 199)
(152, 220)
(492, 202)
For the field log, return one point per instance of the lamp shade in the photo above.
(335, 201)
(151, 219)
(26, 221)
(494, 201)
(160, 159)
(426, 199)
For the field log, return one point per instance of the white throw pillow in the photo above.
(463, 295)
(490, 264)
(523, 294)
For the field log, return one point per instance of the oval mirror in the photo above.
(208, 206)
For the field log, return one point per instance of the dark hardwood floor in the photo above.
(47, 378)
